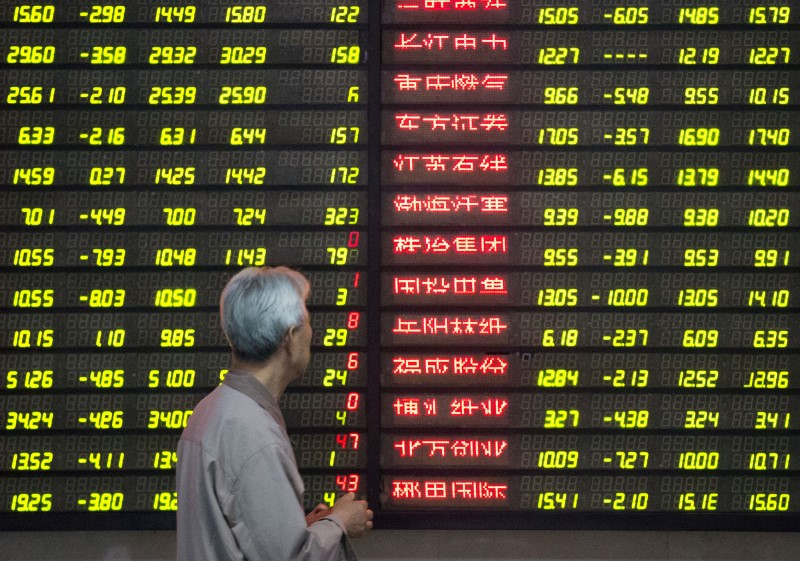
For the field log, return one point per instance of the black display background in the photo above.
(434, 518)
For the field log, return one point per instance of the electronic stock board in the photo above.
(553, 249)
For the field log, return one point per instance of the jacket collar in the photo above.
(247, 384)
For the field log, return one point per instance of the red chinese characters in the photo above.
(457, 81)
(468, 407)
(458, 122)
(473, 490)
(450, 204)
(450, 285)
(415, 407)
(459, 163)
(456, 365)
(457, 407)
(462, 326)
(450, 42)
(462, 245)
(462, 224)
(454, 5)
(451, 448)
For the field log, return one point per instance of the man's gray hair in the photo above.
(258, 307)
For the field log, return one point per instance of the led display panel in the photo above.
(553, 249)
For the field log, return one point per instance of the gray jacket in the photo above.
(239, 491)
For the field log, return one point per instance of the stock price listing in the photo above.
(150, 151)
(553, 250)
(588, 277)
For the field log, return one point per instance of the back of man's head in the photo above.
(257, 308)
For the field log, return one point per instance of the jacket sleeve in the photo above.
(267, 519)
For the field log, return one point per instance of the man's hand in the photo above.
(355, 515)
(319, 512)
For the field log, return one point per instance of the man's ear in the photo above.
(288, 339)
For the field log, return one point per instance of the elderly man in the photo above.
(239, 492)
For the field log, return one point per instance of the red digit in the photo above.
(353, 319)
